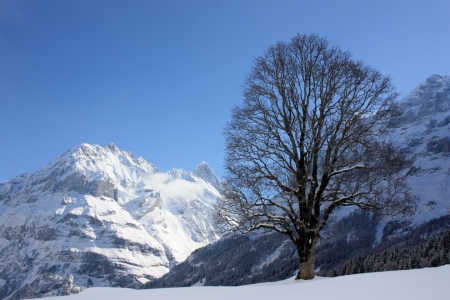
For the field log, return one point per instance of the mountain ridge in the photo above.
(422, 132)
(98, 216)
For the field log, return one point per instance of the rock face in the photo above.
(429, 98)
(97, 216)
(422, 131)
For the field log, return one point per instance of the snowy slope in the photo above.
(98, 216)
(409, 285)
(422, 131)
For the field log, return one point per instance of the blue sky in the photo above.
(158, 78)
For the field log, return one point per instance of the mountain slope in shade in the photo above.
(97, 216)
(422, 131)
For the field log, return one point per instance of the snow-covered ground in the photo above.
(432, 283)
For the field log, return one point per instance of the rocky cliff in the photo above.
(422, 131)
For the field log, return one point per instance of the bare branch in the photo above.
(309, 137)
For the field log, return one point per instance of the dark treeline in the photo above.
(428, 245)
(433, 253)
(234, 261)
(350, 236)
(349, 246)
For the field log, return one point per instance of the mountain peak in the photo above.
(98, 205)
(203, 164)
(204, 171)
(430, 98)
(113, 147)
(437, 77)
(203, 168)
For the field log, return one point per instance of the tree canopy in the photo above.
(310, 136)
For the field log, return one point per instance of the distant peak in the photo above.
(438, 79)
(436, 76)
(203, 168)
(204, 171)
(203, 164)
(113, 147)
(79, 147)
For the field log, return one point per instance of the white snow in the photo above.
(431, 283)
(169, 215)
(431, 182)
(427, 104)
(153, 221)
(200, 283)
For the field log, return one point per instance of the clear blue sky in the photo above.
(158, 78)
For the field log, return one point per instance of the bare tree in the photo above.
(309, 137)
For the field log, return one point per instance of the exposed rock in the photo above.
(412, 171)
(444, 122)
(421, 130)
(439, 145)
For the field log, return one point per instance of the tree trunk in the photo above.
(306, 259)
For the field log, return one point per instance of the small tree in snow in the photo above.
(309, 137)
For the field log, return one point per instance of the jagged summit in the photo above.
(96, 215)
(113, 147)
(203, 165)
(204, 171)
(430, 96)
(440, 80)
(422, 132)
(434, 86)
(428, 104)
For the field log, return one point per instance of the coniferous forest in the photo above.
(351, 248)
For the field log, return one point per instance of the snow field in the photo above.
(431, 283)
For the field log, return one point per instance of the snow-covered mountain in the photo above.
(97, 216)
(422, 131)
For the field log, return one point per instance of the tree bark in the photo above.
(306, 259)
